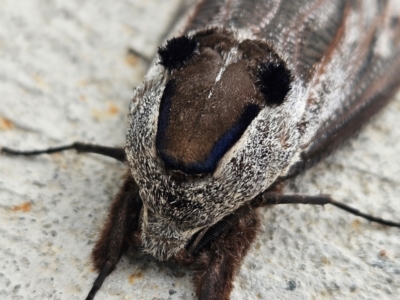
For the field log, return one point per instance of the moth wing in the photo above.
(356, 77)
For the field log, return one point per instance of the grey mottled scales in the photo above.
(282, 23)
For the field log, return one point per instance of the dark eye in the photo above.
(274, 82)
(177, 52)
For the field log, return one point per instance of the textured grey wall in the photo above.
(66, 76)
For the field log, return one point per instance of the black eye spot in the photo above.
(274, 82)
(177, 52)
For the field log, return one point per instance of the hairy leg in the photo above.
(217, 264)
(273, 198)
(115, 236)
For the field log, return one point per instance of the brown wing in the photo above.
(302, 31)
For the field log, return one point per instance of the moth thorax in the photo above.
(211, 98)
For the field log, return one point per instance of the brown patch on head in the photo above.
(206, 101)
(196, 123)
(24, 207)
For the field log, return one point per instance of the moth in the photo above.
(245, 96)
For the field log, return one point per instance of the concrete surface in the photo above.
(66, 76)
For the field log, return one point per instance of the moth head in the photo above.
(203, 137)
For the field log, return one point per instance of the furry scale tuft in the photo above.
(177, 52)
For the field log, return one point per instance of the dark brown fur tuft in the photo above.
(177, 52)
(122, 220)
(216, 266)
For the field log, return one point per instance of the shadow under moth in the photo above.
(245, 95)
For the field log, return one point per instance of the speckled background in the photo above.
(66, 76)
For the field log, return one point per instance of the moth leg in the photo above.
(115, 236)
(271, 198)
(217, 264)
(117, 153)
